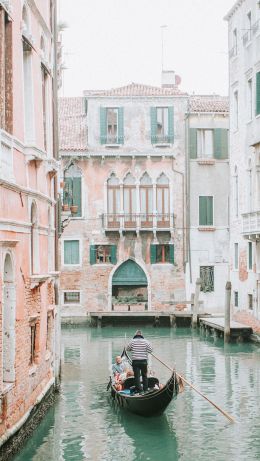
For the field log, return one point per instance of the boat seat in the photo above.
(152, 381)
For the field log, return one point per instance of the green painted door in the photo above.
(129, 273)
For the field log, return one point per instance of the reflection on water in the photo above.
(86, 425)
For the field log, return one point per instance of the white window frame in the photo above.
(248, 268)
(201, 151)
(109, 142)
(71, 304)
(66, 239)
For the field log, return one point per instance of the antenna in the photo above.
(162, 39)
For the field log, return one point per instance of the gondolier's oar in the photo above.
(196, 390)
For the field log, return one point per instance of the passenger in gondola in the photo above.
(140, 348)
(119, 366)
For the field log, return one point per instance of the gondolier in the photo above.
(140, 347)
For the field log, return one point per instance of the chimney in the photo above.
(170, 79)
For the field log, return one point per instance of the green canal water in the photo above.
(84, 425)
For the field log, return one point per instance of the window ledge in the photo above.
(113, 146)
(163, 145)
(206, 228)
(206, 161)
(37, 280)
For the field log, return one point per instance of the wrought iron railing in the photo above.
(138, 221)
(162, 139)
(112, 139)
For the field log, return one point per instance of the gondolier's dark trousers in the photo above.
(140, 366)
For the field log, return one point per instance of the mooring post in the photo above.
(196, 304)
(227, 313)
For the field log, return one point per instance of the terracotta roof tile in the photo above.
(72, 124)
(209, 103)
(136, 89)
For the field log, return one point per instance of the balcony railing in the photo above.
(251, 223)
(138, 221)
(162, 139)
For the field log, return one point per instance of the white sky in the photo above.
(111, 43)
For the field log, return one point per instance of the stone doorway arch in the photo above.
(129, 283)
(8, 319)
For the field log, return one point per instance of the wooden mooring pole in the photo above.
(196, 304)
(227, 313)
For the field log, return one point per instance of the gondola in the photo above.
(151, 403)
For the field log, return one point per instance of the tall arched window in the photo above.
(113, 201)
(129, 201)
(163, 201)
(249, 188)
(236, 191)
(34, 240)
(27, 79)
(73, 190)
(9, 315)
(146, 201)
(50, 241)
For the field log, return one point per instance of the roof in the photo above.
(72, 124)
(230, 13)
(209, 103)
(136, 89)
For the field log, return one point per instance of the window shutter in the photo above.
(193, 142)
(202, 211)
(257, 93)
(77, 195)
(67, 253)
(113, 254)
(153, 112)
(209, 211)
(220, 143)
(92, 255)
(71, 252)
(120, 125)
(171, 246)
(171, 124)
(103, 125)
(152, 254)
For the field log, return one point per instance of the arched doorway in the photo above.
(9, 314)
(130, 285)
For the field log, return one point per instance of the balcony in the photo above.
(138, 222)
(251, 225)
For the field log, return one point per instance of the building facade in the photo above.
(123, 156)
(28, 167)
(244, 88)
(208, 199)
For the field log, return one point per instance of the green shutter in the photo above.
(171, 124)
(58, 214)
(193, 142)
(209, 211)
(103, 125)
(202, 211)
(153, 113)
(257, 107)
(71, 252)
(120, 125)
(92, 254)
(113, 254)
(152, 254)
(171, 246)
(220, 143)
(67, 192)
(77, 195)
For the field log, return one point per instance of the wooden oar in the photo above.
(197, 390)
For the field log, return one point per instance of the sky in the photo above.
(111, 43)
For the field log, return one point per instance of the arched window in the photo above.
(113, 201)
(34, 240)
(236, 190)
(129, 200)
(9, 315)
(146, 201)
(163, 201)
(73, 190)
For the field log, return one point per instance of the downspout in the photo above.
(183, 218)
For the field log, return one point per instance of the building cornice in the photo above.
(30, 192)
(233, 9)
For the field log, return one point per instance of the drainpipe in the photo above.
(183, 218)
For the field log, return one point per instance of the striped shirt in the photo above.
(140, 348)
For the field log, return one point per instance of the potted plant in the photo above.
(62, 184)
(74, 209)
(65, 207)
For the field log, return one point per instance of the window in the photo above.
(34, 240)
(6, 83)
(146, 201)
(111, 125)
(250, 99)
(258, 93)
(204, 143)
(162, 253)
(103, 254)
(250, 301)
(236, 256)
(44, 104)
(163, 201)
(234, 42)
(33, 343)
(206, 211)
(249, 25)
(236, 298)
(49, 332)
(71, 297)
(235, 120)
(236, 191)
(73, 190)
(207, 278)
(162, 125)
(113, 201)
(129, 201)
(250, 256)
(71, 252)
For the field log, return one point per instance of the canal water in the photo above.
(84, 425)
